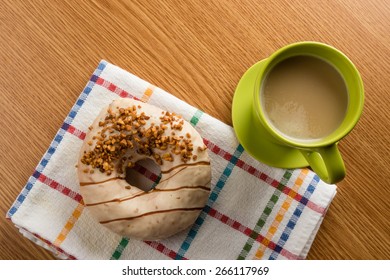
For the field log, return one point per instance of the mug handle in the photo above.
(326, 162)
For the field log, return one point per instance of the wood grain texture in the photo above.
(196, 50)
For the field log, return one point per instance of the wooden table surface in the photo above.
(196, 50)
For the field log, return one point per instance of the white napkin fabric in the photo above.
(254, 211)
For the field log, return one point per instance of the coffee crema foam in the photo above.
(304, 98)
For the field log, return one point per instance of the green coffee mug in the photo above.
(267, 144)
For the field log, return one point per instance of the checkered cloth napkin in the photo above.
(253, 212)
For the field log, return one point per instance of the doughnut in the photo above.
(124, 133)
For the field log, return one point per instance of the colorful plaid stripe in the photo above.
(228, 221)
(74, 131)
(155, 245)
(147, 173)
(213, 197)
(280, 215)
(264, 216)
(162, 249)
(295, 217)
(147, 93)
(57, 186)
(57, 140)
(69, 224)
(113, 88)
(196, 117)
(119, 249)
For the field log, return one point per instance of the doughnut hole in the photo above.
(145, 175)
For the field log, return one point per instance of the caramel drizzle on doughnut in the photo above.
(101, 182)
(146, 193)
(170, 177)
(185, 164)
(152, 213)
(162, 172)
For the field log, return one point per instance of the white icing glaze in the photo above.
(172, 206)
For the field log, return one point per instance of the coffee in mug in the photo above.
(304, 98)
(290, 110)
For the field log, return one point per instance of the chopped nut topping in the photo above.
(201, 149)
(126, 128)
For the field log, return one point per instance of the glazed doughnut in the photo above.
(124, 133)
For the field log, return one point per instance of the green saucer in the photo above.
(250, 136)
